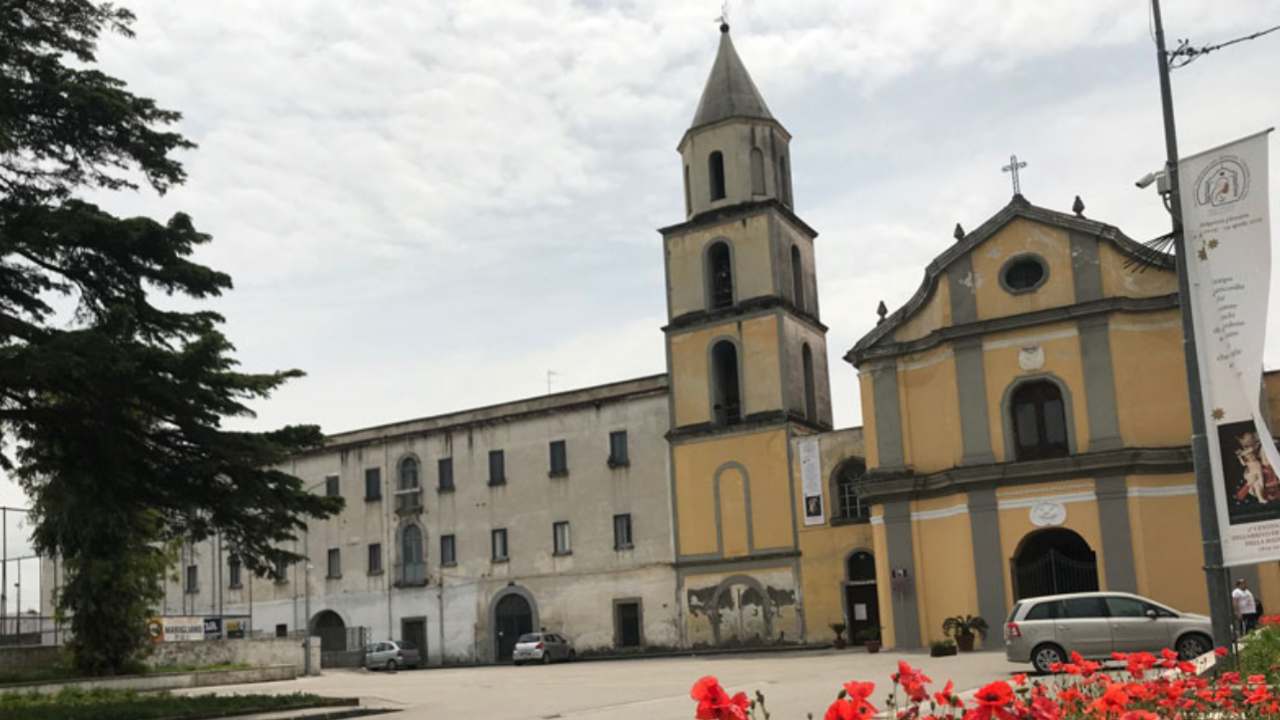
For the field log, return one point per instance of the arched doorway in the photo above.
(332, 631)
(742, 612)
(1052, 561)
(512, 617)
(861, 602)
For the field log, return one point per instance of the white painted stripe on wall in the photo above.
(940, 512)
(1030, 501)
(1166, 491)
(1065, 489)
(1139, 327)
(1028, 339)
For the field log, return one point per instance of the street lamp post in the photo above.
(1215, 574)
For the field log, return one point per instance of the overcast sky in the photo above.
(428, 205)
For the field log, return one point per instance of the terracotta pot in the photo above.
(873, 646)
(838, 643)
(965, 642)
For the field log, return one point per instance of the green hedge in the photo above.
(1260, 653)
(75, 704)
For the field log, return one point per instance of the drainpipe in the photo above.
(440, 616)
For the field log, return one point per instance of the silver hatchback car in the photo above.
(1046, 630)
(541, 647)
(391, 655)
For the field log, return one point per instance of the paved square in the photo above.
(793, 683)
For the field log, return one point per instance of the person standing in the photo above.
(1246, 606)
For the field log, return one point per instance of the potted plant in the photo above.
(963, 628)
(838, 629)
(942, 648)
(870, 639)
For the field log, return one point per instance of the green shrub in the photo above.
(1260, 654)
(102, 704)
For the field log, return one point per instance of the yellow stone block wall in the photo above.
(759, 361)
(763, 455)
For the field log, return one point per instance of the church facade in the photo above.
(1026, 431)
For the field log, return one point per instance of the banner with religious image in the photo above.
(811, 481)
(1226, 219)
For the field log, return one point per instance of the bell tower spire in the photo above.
(734, 150)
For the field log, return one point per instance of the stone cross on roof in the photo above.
(1013, 168)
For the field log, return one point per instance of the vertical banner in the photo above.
(1225, 217)
(811, 481)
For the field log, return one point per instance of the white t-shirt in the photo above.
(1244, 602)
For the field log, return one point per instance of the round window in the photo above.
(1023, 274)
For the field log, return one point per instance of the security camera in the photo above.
(1146, 180)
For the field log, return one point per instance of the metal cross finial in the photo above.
(1013, 168)
(724, 16)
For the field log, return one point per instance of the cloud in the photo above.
(429, 205)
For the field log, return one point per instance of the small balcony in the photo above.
(411, 574)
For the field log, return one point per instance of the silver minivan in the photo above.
(1046, 630)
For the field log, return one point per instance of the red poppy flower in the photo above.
(946, 697)
(1139, 715)
(1114, 700)
(1220, 651)
(716, 704)
(1042, 708)
(992, 702)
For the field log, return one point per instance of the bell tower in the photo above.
(746, 356)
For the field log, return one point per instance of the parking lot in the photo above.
(794, 683)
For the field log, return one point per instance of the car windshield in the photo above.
(530, 637)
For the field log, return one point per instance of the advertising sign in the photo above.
(1225, 215)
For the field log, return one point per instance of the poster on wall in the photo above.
(811, 481)
(1226, 219)
(175, 629)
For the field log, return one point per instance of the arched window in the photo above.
(725, 391)
(797, 277)
(715, 174)
(757, 171)
(688, 201)
(810, 392)
(860, 567)
(849, 504)
(784, 181)
(1039, 421)
(408, 489)
(720, 275)
(408, 474)
(413, 564)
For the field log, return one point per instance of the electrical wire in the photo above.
(1184, 54)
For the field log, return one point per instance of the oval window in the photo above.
(1023, 274)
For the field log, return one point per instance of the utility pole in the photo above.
(4, 564)
(1216, 577)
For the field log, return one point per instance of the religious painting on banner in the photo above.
(811, 481)
(1226, 220)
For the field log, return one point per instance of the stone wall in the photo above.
(258, 653)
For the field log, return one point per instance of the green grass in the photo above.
(75, 704)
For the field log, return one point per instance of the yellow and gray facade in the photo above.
(1027, 427)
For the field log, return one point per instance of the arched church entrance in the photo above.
(1052, 561)
(512, 617)
(861, 603)
(332, 631)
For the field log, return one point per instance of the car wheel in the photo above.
(546, 658)
(1044, 657)
(572, 656)
(391, 666)
(1192, 646)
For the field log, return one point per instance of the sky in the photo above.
(428, 206)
